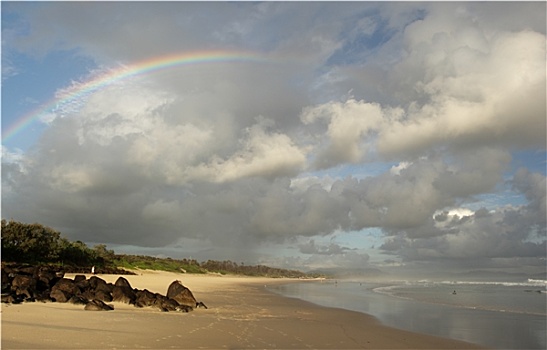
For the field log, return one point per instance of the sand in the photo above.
(241, 314)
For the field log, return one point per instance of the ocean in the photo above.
(501, 315)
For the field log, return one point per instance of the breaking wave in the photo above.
(529, 283)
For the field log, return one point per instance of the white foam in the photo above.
(529, 283)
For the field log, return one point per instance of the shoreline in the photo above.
(242, 313)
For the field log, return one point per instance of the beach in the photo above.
(242, 314)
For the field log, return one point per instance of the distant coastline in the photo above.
(36, 244)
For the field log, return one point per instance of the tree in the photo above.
(76, 253)
(103, 255)
(35, 243)
(29, 242)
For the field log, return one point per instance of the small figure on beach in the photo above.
(93, 269)
(454, 292)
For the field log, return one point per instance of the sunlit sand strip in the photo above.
(242, 313)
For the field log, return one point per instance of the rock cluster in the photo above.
(44, 283)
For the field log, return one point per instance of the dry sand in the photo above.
(242, 314)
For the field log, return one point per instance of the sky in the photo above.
(396, 136)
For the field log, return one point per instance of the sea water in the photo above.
(502, 315)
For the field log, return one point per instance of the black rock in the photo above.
(68, 286)
(123, 294)
(181, 294)
(103, 296)
(122, 282)
(59, 296)
(97, 305)
(78, 300)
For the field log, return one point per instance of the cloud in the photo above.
(349, 124)
(235, 156)
(471, 103)
(533, 186)
(251, 208)
(161, 211)
(8, 69)
(502, 234)
(348, 260)
(461, 83)
(331, 249)
(262, 154)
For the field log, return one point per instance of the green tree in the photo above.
(29, 242)
(77, 253)
(103, 255)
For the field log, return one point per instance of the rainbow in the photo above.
(128, 71)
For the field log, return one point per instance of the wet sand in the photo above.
(241, 314)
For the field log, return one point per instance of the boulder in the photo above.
(164, 303)
(103, 295)
(43, 296)
(181, 294)
(6, 298)
(169, 304)
(122, 282)
(184, 308)
(83, 284)
(88, 294)
(25, 293)
(23, 281)
(22, 287)
(46, 277)
(27, 270)
(11, 299)
(145, 298)
(97, 305)
(79, 278)
(107, 288)
(59, 296)
(123, 294)
(68, 286)
(43, 285)
(95, 282)
(100, 289)
(78, 300)
(5, 281)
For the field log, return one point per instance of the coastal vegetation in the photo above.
(37, 244)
